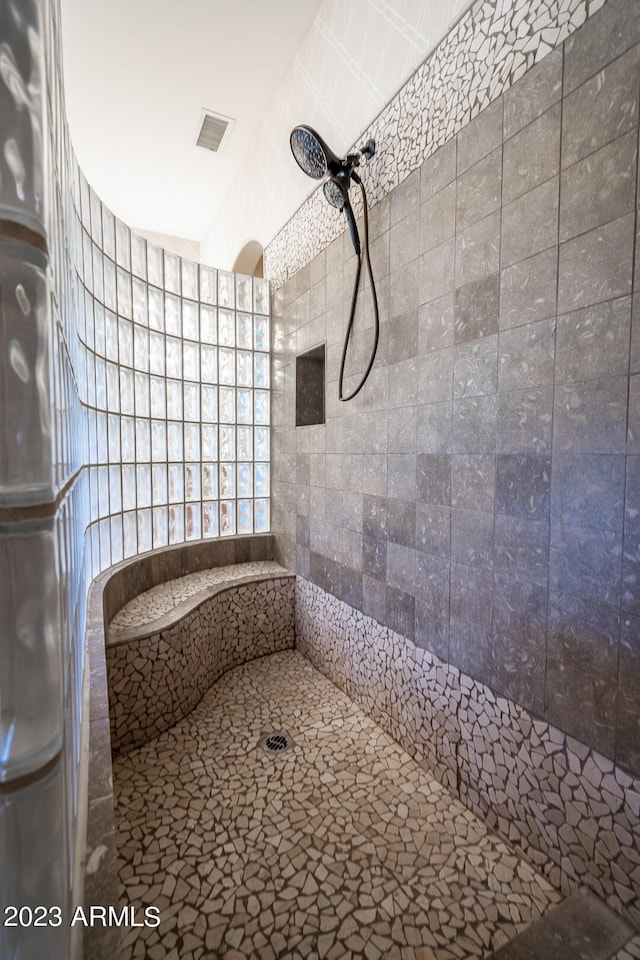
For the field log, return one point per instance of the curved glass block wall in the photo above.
(134, 413)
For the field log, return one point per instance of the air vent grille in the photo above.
(212, 131)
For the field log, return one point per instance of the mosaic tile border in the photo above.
(492, 45)
(573, 813)
(155, 682)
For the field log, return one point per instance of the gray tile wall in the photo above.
(481, 495)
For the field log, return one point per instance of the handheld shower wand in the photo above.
(318, 161)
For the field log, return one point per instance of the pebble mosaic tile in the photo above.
(573, 812)
(341, 847)
(155, 680)
(163, 598)
(491, 47)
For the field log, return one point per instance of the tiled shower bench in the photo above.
(169, 644)
(161, 628)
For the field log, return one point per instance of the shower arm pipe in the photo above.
(354, 298)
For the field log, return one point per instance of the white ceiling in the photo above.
(137, 75)
(139, 72)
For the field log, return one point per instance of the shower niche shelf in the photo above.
(310, 402)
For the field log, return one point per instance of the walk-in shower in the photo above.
(318, 161)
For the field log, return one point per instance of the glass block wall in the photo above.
(134, 413)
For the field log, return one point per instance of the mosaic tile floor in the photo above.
(341, 847)
(154, 603)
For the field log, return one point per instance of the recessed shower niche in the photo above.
(310, 406)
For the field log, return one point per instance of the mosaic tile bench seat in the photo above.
(167, 644)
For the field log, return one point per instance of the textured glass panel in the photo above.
(210, 520)
(191, 361)
(189, 280)
(105, 544)
(158, 398)
(138, 256)
(227, 518)
(226, 289)
(261, 441)
(227, 366)
(261, 508)
(143, 441)
(227, 480)
(171, 272)
(176, 482)
(175, 446)
(98, 311)
(191, 441)
(113, 387)
(245, 443)
(125, 342)
(209, 364)
(210, 441)
(87, 259)
(176, 524)
(124, 293)
(190, 324)
(115, 489)
(143, 484)
(156, 309)
(144, 531)
(140, 314)
(103, 491)
(101, 384)
(262, 480)
(209, 404)
(141, 348)
(160, 527)
(174, 399)
(261, 369)
(159, 483)
(142, 395)
(245, 480)
(156, 353)
(226, 328)
(127, 429)
(111, 336)
(172, 318)
(192, 401)
(174, 357)
(208, 284)
(244, 331)
(245, 406)
(126, 392)
(123, 251)
(96, 217)
(245, 368)
(192, 515)
(113, 426)
(158, 441)
(108, 234)
(260, 295)
(261, 406)
(208, 324)
(103, 445)
(89, 320)
(98, 286)
(227, 402)
(116, 540)
(227, 443)
(192, 482)
(244, 293)
(261, 332)
(209, 481)
(110, 284)
(130, 527)
(245, 516)
(155, 271)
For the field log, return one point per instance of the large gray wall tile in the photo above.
(476, 308)
(596, 265)
(594, 342)
(480, 137)
(478, 250)
(602, 39)
(438, 218)
(530, 223)
(533, 94)
(532, 156)
(591, 416)
(479, 190)
(528, 289)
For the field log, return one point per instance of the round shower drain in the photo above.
(276, 742)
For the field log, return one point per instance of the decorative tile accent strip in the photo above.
(156, 681)
(340, 847)
(492, 45)
(573, 813)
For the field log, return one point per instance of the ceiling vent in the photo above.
(213, 129)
